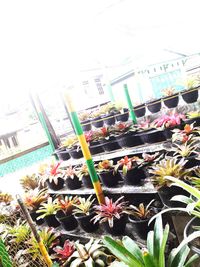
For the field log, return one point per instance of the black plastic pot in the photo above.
(75, 154)
(196, 121)
(190, 96)
(153, 136)
(54, 186)
(87, 126)
(86, 224)
(141, 227)
(109, 179)
(86, 181)
(129, 140)
(166, 193)
(154, 106)
(74, 183)
(109, 119)
(123, 116)
(168, 131)
(68, 222)
(119, 226)
(110, 145)
(189, 229)
(96, 148)
(96, 122)
(62, 154)
(34, 216)
(133, 176)
(192, 162)
(140, 111)
(51, 221)
(172, 102)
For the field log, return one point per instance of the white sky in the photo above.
(44, 44)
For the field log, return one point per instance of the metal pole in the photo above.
(130, 106)
(85, 149)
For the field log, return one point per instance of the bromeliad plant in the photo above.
(70, 142)
(66, 204)
(34, 198)
(63, 254)
(141, 212)
(49, 208)
(70, 172)
(82, 171)
(83, 206)
(169, 121)
(126, 164)
(5, 198)
(53, 173)
(154, 255)
(169, 91)
(29, 182)
(109, 211)
(185, 150)
(168, 167)
(105, 166)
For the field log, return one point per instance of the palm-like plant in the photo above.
(109, 211)
(154, 255)
(168, 167)
(49, 208)
(83, 206)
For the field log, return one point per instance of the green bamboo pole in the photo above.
(4, 257)
(84, 146)
(110, 92)
(130, 106)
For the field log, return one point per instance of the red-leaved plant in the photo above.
(169, 121)
(65, 252)
(109, 211)
(127, 164)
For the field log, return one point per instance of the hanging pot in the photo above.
(129, 139)
(140, 110)
(86, 125)
(171, 101)
(97, 122)
(109, 119)
(123, 116)
(153, 136)
(110, 145)
(154, 106)
(75, 154)
(62, 154)
(190, 96)
(96, 148)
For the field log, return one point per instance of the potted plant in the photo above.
(29, 182)
(154, 105)
(33, 199)
(92, 138)
(169, 167)
(84, 176)
(84, 213)
(112, 216)
(108, 176)
(72, 181)
(48, 211)
(84, 118)
(139, 110)
(64, 253)
(54, 177)
(193, 117)
(93, 253)
(171, 98)
(190, 94)
(64, 213)
(72, 146)
(108, 113)
(6, 198)
(123, 115)
(96, 119)
(128, 252)
(139, 216)
(107, 139)
(131, 170)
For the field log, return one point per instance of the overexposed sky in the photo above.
(44, 44)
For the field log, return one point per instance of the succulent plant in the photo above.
(29, 182)
(110, 210)
(83, 206)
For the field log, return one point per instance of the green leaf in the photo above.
(163, 245)
(121, 252)
(148, 260)
(150, 247)
(179, 258)
(133, 248)
(158, 236)
(183, 199)
(191, 260)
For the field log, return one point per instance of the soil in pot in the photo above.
(62, 154)
(51, 221)
(141, 226)
(140, 111)
(54, 186)
(109, 119)
(123, 116)
(153, 136)
(154, 106)
(68, 222)
(133, 176)
(190, 96)
(97, 122)
(166, 193)
(129, 140)
(34, 216)
(75, 154)
(171, 101)
(119, 226)
(86, 125)
(74, 183)
(109, 178)
(85, 222)
(110, 145)
(86, 181)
